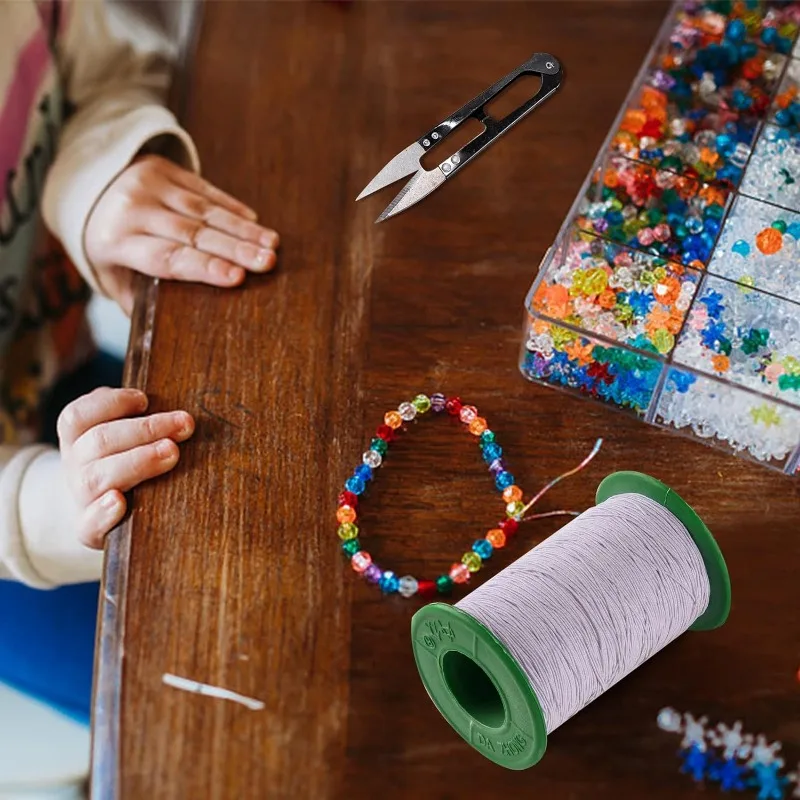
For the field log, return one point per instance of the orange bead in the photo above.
(511, 494)
(721, 363)
(346, 514)
(607, 299)
(393, 419)
(496, 538)
(769, 241)
(477, 426)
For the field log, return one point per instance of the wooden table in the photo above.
(229, 572)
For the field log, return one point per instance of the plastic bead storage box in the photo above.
(673, 288)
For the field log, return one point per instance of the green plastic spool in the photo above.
(479, 687)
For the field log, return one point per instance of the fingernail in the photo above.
(270, 239)
(250, 214)
(141, 399)
(164, 450)
(186, 424)
(263, 257)
(235, 274)
(109, 500)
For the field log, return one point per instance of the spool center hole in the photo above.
(473, 689)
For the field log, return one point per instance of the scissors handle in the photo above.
(542, 64)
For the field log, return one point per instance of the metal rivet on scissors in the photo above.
(425, 181)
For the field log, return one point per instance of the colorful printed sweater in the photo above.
(82, 86)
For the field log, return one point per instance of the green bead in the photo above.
(779, 225)
(714, 210)
(487, 437)
(472, 561)
(513, 510)
(444, 584)
(422, 403)
(654, 215)
(351, 547)
(379, 446)
(663, 340)
(347, 530)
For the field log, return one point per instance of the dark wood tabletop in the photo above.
(229, 571)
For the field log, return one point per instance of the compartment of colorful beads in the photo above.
(760, 247)
(785, 109)
(769, 24)
(720, 69)
(658, 211)
(773, 173)
(560, 356)
(712, 144)
(745, 336)
(624, 295)
(741, 421)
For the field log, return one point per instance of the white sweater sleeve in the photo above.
(117, 77)
(38, 545)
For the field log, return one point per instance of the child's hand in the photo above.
(105, 453)
(161, 220)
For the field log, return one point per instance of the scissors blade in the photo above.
(419, 187)
(404, 163)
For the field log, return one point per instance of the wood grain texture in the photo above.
(234, 574)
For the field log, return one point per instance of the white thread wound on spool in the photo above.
(594, 601)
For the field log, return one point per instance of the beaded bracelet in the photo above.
(482, 549)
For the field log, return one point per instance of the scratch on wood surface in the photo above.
(218, 417)
(195, 687)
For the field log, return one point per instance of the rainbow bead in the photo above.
(484, 549)
(467, 414)
(372, 458)
(504, 480)
(459, 573)
(355, 485)
(364, 472)
(361, 561)
(346, 514)
(477, 426)
(351, 547)
(471, 560)
(496, 538)
(347, 530)
(491, 452)
(389, 582)
(438, 402)
(393, 419)
(512, 493)
(408, 586)
(407, 411)
(421, 403)
(379, 445)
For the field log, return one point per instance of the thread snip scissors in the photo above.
(425, 181)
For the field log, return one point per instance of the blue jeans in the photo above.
(47, 637)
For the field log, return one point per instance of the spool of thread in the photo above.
(557, 628)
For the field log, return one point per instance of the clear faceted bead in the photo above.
(407, 411)
(372, 458)
(408, 586)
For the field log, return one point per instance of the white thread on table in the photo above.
(595, 600)
(196, 687)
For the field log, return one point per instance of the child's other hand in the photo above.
(105, 452)
(161, 220)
